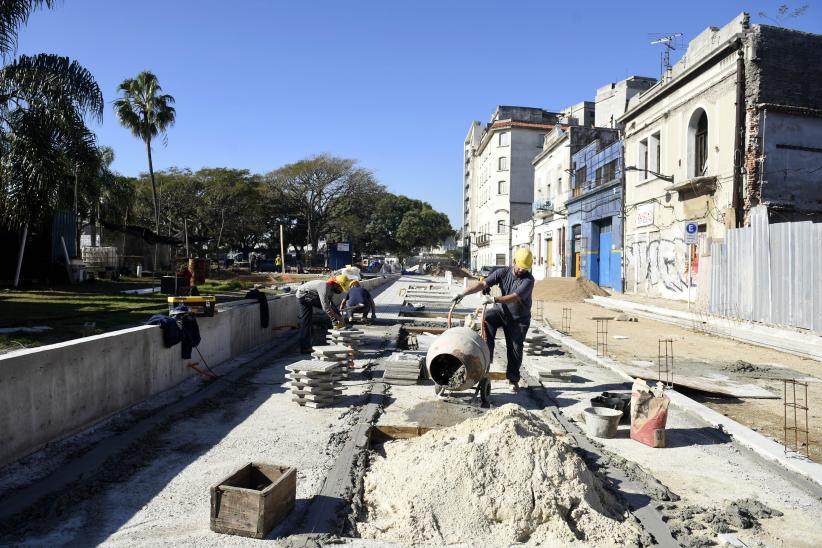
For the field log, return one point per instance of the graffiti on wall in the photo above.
(656, 266)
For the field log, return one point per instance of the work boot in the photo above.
(514, 386)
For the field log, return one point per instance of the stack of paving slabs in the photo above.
(403, 369)
(345, 337)
(314, 383)
(556, 374)
(338, 354)
(535, 343)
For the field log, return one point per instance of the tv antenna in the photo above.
(670, 42)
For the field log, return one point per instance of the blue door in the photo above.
(605, 253)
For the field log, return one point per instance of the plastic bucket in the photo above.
(614, 400)
(602, 422)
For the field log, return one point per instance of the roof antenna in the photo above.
(670, 42)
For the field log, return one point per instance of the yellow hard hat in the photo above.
(343, 281)
(523, 258)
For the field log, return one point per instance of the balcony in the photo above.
(482, 240)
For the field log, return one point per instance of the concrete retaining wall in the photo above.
(53, 391)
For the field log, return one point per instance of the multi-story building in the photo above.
(556, 244)
(737, 122)
(595, 210)
(612, 99)
(499, 180)
(469, 214)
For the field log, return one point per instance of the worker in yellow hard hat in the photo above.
(511, 311)
(318, 294)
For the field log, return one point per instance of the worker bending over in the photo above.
(359, 300)
(511, 311)
(318, 294)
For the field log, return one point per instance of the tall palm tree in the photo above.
(147, 112)
(44, 102)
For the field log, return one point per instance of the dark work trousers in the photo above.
(515, 332)
(306, 314)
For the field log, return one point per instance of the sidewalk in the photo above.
(800, 342)
(702, 355)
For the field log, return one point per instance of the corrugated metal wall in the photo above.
(769, 273)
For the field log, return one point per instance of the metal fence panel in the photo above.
(769, 273)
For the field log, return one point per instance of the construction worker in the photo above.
(318, 294)
(511, 311)
(278, 262)
(359, 300)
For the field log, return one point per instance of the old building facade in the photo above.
(735, 123)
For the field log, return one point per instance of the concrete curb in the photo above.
(756, 442)
(805, 345)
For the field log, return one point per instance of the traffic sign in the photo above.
(691, 233)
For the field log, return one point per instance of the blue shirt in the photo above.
(510, 283)
(358, 295)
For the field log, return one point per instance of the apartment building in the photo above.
(499, 179)
(558, 247)
(736, 123)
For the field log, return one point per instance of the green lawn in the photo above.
(90, 308)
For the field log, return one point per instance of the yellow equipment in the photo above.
(203, 305)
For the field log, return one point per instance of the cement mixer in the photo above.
(459, 359)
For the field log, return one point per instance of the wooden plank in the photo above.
(713, 386)
(497, 376)
(383, 433)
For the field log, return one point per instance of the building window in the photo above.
(654, 155)
(500, 259)
(579, 180)
(701, 145)
(503, 163)
(500, 227)
(642, 158)
(501, 188)
(503, 139)
(697, 163)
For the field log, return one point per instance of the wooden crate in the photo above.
(252, 500)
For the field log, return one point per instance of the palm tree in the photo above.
(44, 102)
(13, 14)
(147, 113)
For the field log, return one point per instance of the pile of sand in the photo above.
(493, 480)
(566, 289)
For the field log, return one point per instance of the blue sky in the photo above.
(393, 84)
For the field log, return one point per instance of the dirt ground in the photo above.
(701, 350)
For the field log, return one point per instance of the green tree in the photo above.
(422, 228)
(313, 187)
(386, 216)
(148, 113)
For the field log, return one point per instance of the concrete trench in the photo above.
(329, 512)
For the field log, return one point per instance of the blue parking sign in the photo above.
(691, 232)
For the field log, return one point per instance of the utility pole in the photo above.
(282, 250)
